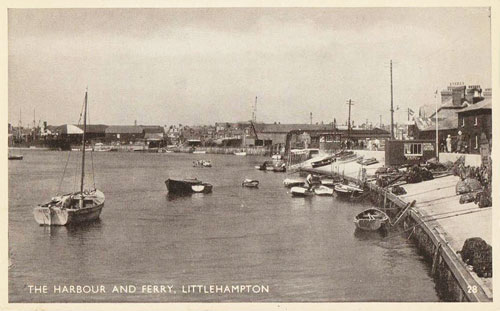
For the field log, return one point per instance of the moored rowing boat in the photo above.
(371, 219)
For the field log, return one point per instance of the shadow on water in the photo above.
(364, 235)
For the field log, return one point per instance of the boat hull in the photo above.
(181, 187)
(301, 192)
(20, 157)
(371, 220)
(369, 225)
(347, 194)
(293, 183)
(250, 183)
(323, 191)
(58, 216)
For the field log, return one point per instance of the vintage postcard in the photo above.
(235, 153)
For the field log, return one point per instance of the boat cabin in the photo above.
(408, 152)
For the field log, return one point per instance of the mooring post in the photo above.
(435, 259)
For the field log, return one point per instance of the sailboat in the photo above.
(72, 208)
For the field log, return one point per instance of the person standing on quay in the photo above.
(448, 143)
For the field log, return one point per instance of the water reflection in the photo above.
(73, 230)
(174, 196)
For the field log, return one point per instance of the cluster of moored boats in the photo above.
(273, 166)
(371, 219)
(299, 188)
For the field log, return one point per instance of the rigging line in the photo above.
(91, 150)
(64, 172)
(76, 166)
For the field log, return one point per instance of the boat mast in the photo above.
(83, 148)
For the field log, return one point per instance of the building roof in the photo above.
(124, 129)
(94, 128)
(153, 129)
(69, 129)
(449, 123)
(484, 104)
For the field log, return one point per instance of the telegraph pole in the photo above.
(311, 117)
(392, 108)
(349, 102)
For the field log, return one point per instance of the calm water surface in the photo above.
(303, 249)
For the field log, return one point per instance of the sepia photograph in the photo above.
(249, 154)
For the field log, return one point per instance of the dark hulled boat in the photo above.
(187, 186)
(15, 157)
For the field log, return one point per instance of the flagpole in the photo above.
(437, 127)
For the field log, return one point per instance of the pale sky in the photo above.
(201, 66)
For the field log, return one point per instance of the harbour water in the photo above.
(302, 249)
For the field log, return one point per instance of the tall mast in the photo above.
(392, 108)
(83, 148)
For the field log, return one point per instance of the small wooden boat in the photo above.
(100, 147)
(293, 182)
(202, 163)
(301, 192)
(240, 153)
(323, 162)
(328, 182)
(323, 190)
(187, 186)
(15, 157)
(347, 191)
(367, 162)
(371, 219)
(264, 165)
(250, 183)
(199, 151)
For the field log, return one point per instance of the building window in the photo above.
(475, 121)
(477, 143)
(413, 149)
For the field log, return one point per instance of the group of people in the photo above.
(452, 144)
(361, 144)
